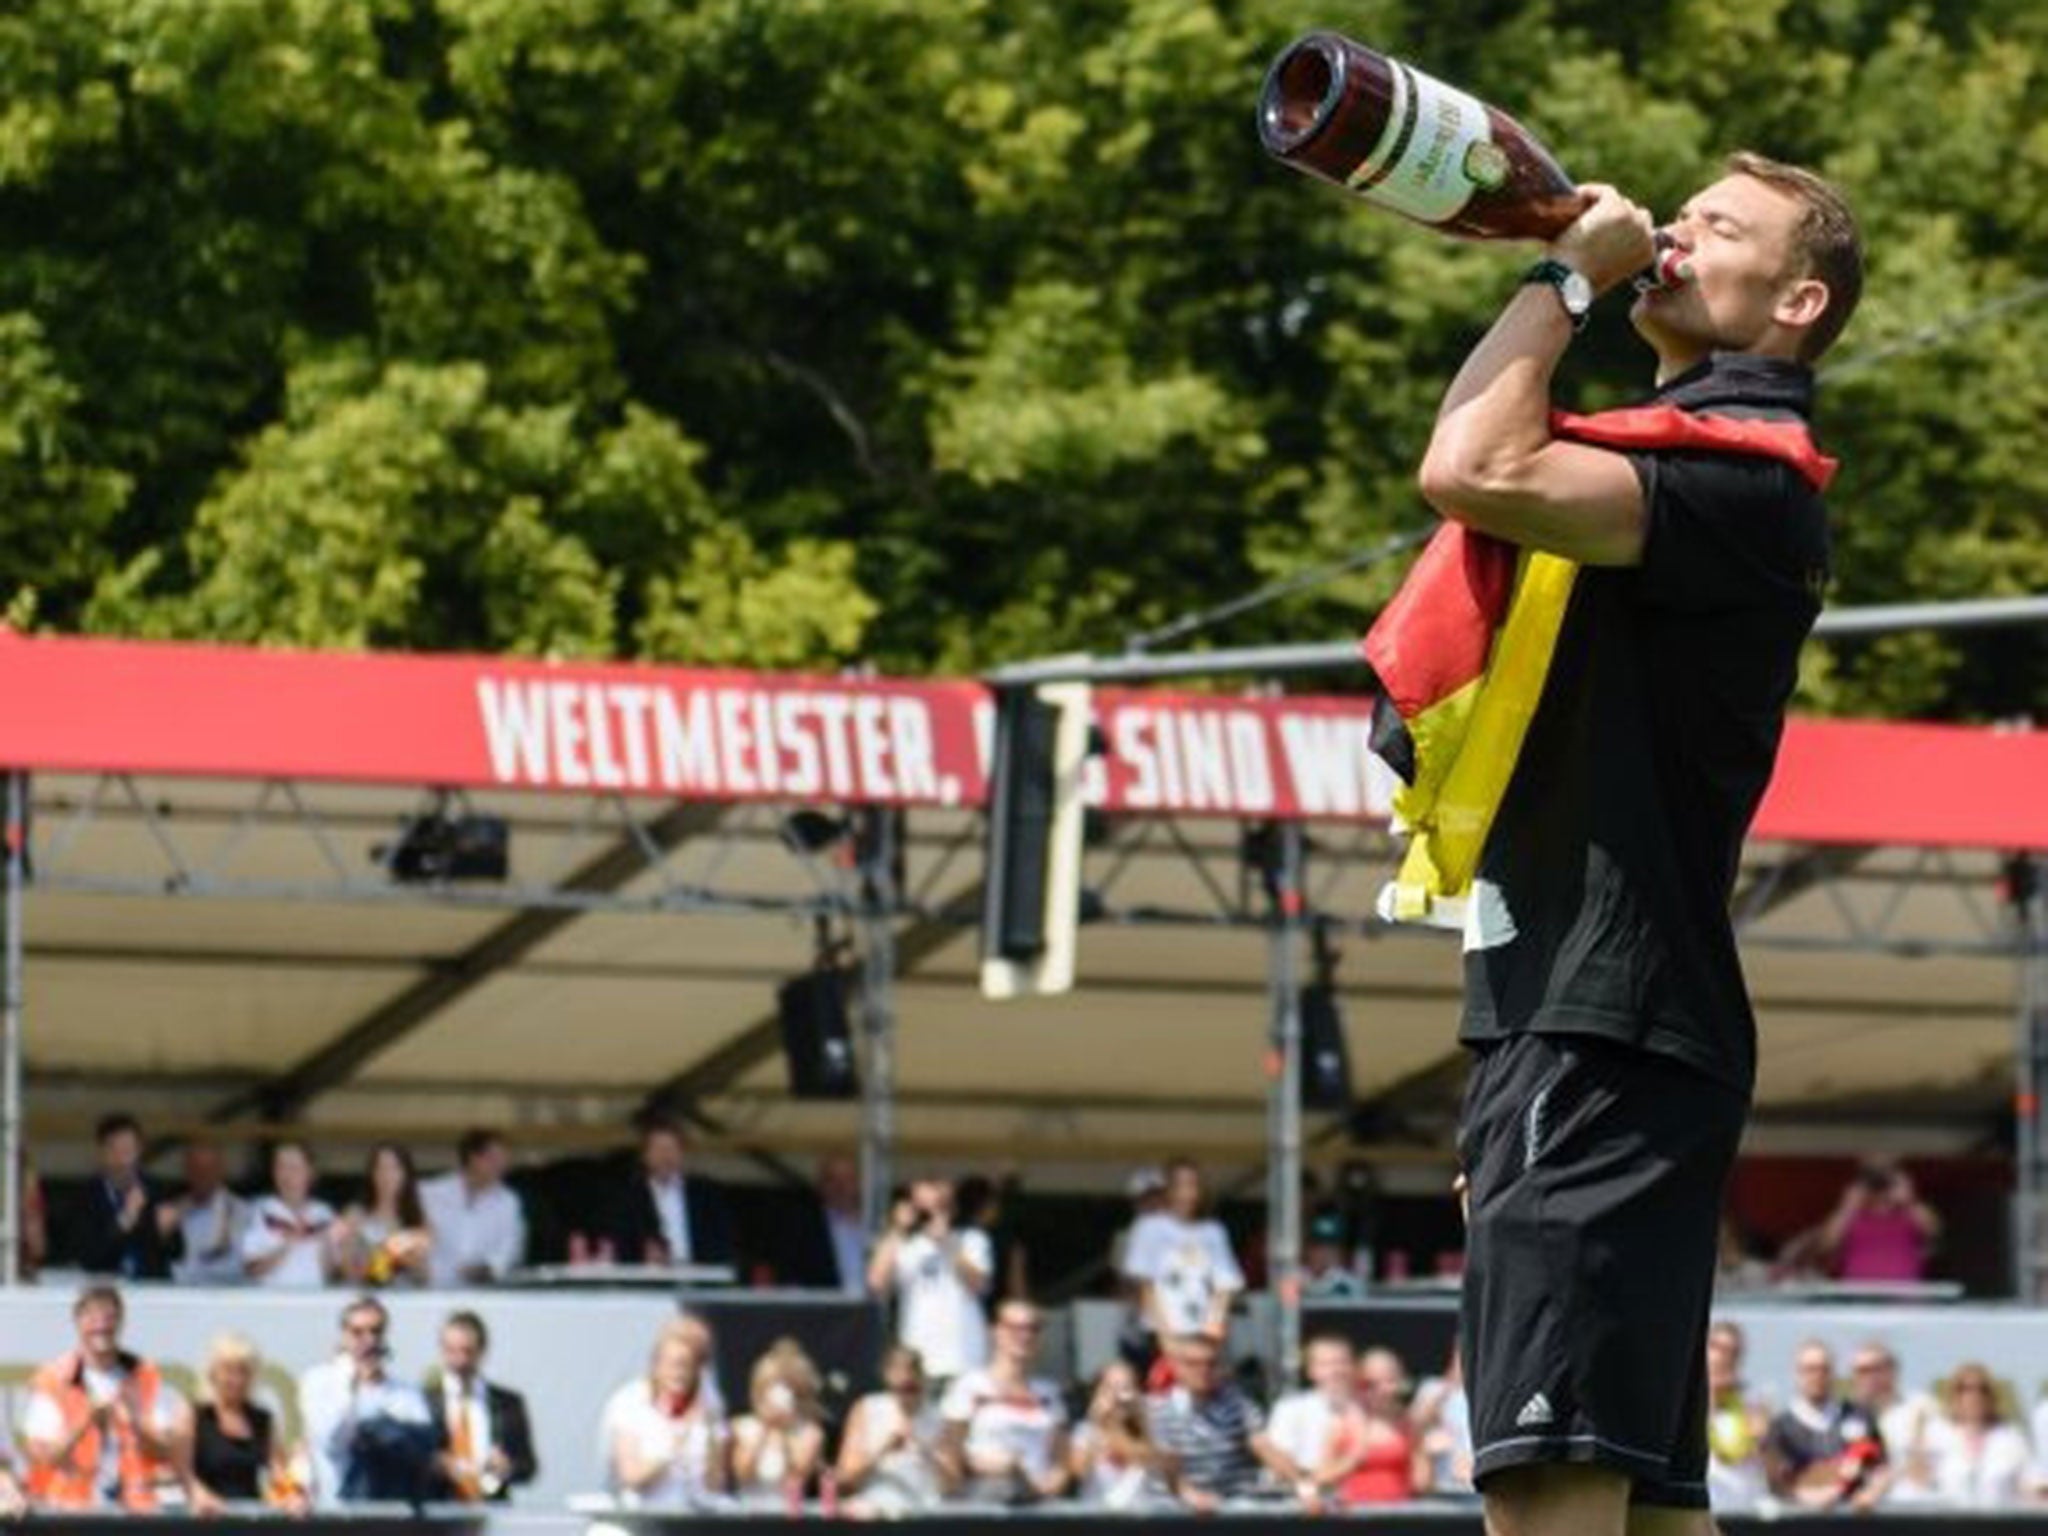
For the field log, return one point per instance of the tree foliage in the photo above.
(929, 332)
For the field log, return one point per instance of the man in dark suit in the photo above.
(483, 1442)
(825, 1247)
(122, 1228)
(666, 1216)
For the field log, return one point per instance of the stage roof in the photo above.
(209, 936)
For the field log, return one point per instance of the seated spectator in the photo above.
(1881, 1229)
(1736, 1425)
(102, 1428)
(1821, 1451)
(826, 1248)
(369, 1436)
(666, 1215)
(1375, 1457)
(122, 1226)
(1004, 1431)
(888, 1455)
(483, 1443)
(211, 1220)
(1982, 1461)
(290, 1243)
(1303, 1426)
(384, 1240)
(1114, 1461)
(1910, 1423)
(1182, 1263)
(1214, 1432)
(938, 1274)
(1325, 1274)
(664, 1437)
(1442, 1419)
(776, 1448)
(235, 1449)
(478, 1223)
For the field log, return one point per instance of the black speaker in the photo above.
(817, 1040)
(1325, 1061)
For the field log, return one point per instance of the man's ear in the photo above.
(1802, 303)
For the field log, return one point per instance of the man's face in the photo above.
(203, 1168)
(1814, 1373)
(1739, 238)
(1197, 1367)
(1874, 1375)
(839, 1183)
(461, 1353)
(362, 1334)
(662, 1155)
(1184, 1193)
(1017, 1330)
(99, 1330)
(120, 1153)
(1332, 1371)
(486, 1165)
(1724, 1359)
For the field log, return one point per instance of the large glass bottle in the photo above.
(1406, 141)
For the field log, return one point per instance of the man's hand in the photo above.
(1612, 240)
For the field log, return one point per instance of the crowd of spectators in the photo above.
(963, 1411)
(1861, 1441)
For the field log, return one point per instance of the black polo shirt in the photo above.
(1601, 905)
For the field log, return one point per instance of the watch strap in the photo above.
(1554, 274)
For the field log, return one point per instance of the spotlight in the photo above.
(435, 846)
(813, 831)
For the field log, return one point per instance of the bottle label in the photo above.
(1436, 150)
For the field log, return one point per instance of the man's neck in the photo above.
(1671, 364)
(475, 1184)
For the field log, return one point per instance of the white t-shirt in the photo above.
(43, 1419)
(904, 1478)
(1186, 1263)
(1990, 1475)
(936, 1314)
(689, 1447)
(273, 1225)
(487, 1228)
(1300, 1425)
(1110, 1484)
(1024, 1422)
(1914, 1422)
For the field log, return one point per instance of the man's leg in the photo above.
(1563, 1499)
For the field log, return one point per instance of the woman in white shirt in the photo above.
(664, 1437)
(777, 1447)
(1980, 1461)
(291, 1241)
(888, 1457)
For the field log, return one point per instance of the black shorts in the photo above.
(1596, 1176)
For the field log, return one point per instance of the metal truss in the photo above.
(1933, 904)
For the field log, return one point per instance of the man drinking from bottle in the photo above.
(1614, 1047)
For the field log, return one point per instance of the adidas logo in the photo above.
(1535, 1413)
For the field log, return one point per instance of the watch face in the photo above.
(1577, 293)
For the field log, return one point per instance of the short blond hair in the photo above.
(1826, 242)
(229, 1349)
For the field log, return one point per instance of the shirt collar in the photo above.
(1741, 379)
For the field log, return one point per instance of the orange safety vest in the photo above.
(74, 1483)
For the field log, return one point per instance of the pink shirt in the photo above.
(1883, 1245)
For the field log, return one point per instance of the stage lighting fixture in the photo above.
(436, 846)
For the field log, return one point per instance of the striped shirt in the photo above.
(1209, 1437)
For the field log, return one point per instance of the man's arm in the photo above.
(1492, 463)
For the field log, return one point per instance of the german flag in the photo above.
(1464, 648)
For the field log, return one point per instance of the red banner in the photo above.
(80, 705)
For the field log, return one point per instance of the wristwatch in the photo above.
(1573, 291)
